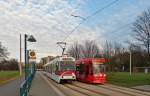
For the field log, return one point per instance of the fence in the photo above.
(142, 69)
(25, 86)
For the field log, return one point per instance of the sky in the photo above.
(51, 21)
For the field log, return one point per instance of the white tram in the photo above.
(61, 69)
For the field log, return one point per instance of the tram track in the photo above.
(85, 91)
(117, 92)
(59, 92)
(82, 89)
(67, 91)
(129, 91)
(98, 90)
(76, 91)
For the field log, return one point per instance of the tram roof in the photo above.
(90, 60)
(61, 58)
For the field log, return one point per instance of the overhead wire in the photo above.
(115, 30)
(101, 9)
(121, 27)
(69, 17)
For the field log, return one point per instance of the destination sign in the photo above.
(97, 63)
(67, 59)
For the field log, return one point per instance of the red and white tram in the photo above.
(91, 70)
(61, 69)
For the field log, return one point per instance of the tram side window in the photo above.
(47, 69)
(56, 66)
(51, 68)
(78, 67)
(87, 70)
(91, 69)
(81, 69)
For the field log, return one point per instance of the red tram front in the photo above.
(91, 70)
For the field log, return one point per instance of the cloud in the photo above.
(118, 25)
(48, 20)
(87, 33)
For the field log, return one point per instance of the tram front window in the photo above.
(67, 65)
(98, 68)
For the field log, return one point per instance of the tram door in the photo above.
(86, 71)
(82, 73)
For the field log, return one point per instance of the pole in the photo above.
(63, 51)
(25, 55)
(130, 62)
(28, 66)
(20, 65)
(63, 47)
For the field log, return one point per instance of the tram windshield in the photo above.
(67, 65)
(98, 68)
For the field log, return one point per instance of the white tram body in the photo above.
(61, 69)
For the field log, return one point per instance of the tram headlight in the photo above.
(100, 75)
(73, 75)
(104, 75)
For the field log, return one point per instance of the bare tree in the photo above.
(107, 49)
(141, 27)
(138, 55)
(118, 48)
(134, 48)
(11, 64)
(107, 54)
(75, 50)
(3, 51)
(90, 49)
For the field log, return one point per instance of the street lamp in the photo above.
(78, 16)
(29, 38)
(130, 62)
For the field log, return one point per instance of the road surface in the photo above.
(40, 87)
(11, 88)
(44, 86)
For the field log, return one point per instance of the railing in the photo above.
(25, 86)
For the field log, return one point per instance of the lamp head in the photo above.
(31, 38)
